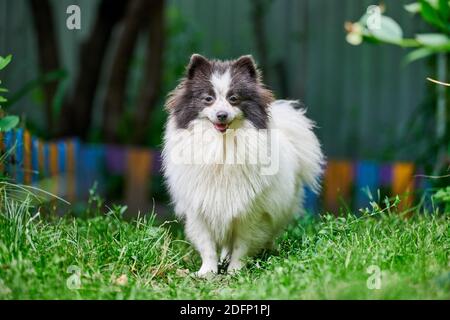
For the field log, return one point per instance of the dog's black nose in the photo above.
(222, 116)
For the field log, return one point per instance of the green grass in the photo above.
(323, 258)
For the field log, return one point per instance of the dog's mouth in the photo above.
(222, 127)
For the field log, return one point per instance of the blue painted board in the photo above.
(366, 181)
(19, 156)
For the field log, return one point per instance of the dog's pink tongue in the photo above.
(221, 127)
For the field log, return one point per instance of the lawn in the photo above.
(317, 258)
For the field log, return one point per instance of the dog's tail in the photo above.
(296, 104)
(289, 116)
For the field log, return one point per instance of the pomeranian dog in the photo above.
(235, 160)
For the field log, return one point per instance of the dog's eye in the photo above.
(233, 99)
(208, 99)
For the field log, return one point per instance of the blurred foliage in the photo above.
(6, 122)
(35, 88)
(432, 114)
(383, 29)
(442, 197)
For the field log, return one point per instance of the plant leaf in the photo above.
(418, 54)
(413, 7)
(433, 3)
(5, 61)
(2, 99)
(444, 9)
(35, 83)
(58, 99)
(431, 15)
(433, 39)
(8, 123)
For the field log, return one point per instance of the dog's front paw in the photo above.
(206, 271)
(234, 266)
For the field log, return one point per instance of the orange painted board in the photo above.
(403, 183)
(71, 170)
(138, 166)
(27, 157)
(338, 181)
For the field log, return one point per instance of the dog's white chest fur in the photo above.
(239, 190)
(221, 185)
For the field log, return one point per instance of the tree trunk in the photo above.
(77, 114)
(153, 72)
(114, 100)
(258, 14)
(48, 51)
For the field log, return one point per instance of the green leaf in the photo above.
(413, 7)
(431, 15)
(433, 3)
(2, 99)
(444, 9)
(418, 54)
(5, 61)
(58, 99)
(8, 123)
(433, 39)
(3, 90)
(36, 83)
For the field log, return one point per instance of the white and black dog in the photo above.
(235, 160)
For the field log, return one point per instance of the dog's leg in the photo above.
(198, 233)
(240, 250)
(225, 254)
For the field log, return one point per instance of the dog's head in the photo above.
(227, 93)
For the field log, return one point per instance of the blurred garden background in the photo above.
(90, 99)
(82, 91)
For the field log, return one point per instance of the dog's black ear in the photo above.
(247, 64)
(198, 63)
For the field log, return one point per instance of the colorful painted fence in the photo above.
(69, 168)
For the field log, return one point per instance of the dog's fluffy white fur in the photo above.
(232, 211)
